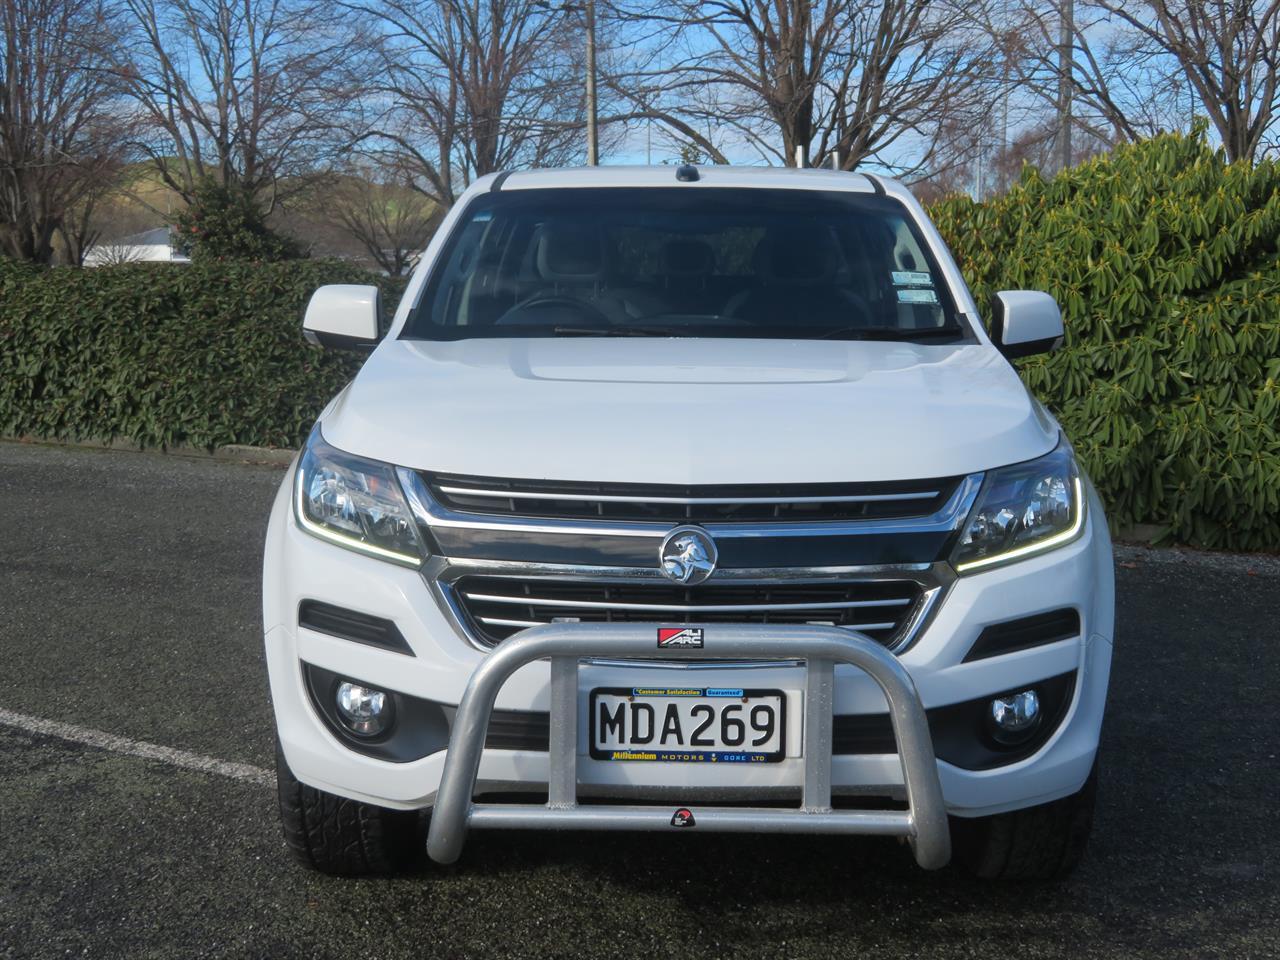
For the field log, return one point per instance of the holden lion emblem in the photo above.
(688, 555)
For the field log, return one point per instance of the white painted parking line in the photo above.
(244, 772)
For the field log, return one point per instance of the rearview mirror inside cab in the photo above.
(343, 316)
(1026, 322)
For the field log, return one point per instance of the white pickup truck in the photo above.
(688, 499)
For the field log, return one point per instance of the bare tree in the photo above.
(1141, 66)
(472, 87)
(817, 82)
(248, 93)
(96, 228)
(113, 253)
(1072, 59)
(78, 231)
(391, 220)
(61, 130)
(1228, 51)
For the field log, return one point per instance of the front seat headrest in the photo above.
(797, 256)
(569, 251)
(687, 258)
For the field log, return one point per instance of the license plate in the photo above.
(688, 724)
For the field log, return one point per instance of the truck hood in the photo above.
(689, 411)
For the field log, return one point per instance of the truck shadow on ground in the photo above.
(1142, 850)
(1171, 831)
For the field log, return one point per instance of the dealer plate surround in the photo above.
(671, 724)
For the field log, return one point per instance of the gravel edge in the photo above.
(235, 453)
(1250, 564)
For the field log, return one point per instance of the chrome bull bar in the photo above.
(923, 823)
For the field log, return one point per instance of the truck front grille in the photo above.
(497, 607)
(742, 503)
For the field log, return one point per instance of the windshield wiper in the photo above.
(620, 331)
(889, 333)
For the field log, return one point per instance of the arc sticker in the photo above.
(687, 637)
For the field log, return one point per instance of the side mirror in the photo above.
(343, 316)
(1026, 322)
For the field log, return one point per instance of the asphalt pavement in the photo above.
(129, 586)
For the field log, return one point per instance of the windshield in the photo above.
(685, 261)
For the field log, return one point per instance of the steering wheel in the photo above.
(587, 311)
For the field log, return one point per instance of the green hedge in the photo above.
(162, 354)
(1164, 259)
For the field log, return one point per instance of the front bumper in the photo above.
(299, 567)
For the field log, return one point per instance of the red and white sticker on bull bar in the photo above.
(680, 637)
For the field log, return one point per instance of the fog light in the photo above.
(365, 712)
(1014, 718)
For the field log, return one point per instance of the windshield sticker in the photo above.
(911, 278)
(917, 296)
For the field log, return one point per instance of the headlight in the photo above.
(1023, 510)
(355, 503)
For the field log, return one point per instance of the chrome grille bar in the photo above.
(681, 501)
(522, 601)
(432, 513)
(502, 622)
(886, 604)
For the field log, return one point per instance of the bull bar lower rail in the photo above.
(923, 823)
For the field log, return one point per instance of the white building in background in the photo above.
(160, 245)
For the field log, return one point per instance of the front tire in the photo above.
(1045, 842)
(343, 837)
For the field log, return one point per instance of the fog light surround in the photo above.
(364, 711)
(1014, 718)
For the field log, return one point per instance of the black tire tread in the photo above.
(343, 837)
(1044, 842)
